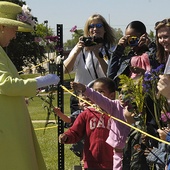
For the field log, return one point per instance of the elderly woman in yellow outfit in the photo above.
(19, 148)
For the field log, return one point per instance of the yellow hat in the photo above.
(13, 15)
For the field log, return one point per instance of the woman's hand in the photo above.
(124, 41)
(164, 85)
(144, 39)
(80, 43)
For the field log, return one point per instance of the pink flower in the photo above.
(74, 29)
(165, 117)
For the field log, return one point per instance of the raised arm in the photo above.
(69, 62)
(64, 117)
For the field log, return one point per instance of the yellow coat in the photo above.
(19, 148)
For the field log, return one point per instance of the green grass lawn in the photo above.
(49, 140)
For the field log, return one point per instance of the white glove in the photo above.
(47, 80)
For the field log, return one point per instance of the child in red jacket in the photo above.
(97, 154)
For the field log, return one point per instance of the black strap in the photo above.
(92, 63)
(107, 53)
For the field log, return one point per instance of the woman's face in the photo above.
(163, 36)
(96, 28)
(6, 35)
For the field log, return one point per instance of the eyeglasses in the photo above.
(165, 21)
(99, 25)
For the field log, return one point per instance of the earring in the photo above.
(2, 32)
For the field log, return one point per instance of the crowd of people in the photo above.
(104, 142)
(133, 56)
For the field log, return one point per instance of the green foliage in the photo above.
(42, 31)
(134, 98)
(23, 50)
(136, 92)
(132, 90)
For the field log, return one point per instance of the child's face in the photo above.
(102, 88)
(82, 104)
(132, 32)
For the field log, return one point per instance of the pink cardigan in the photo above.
(118, 132)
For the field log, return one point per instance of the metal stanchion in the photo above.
(60, 97)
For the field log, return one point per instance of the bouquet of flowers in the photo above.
(160, 103)
(135, 93)
(133, 97)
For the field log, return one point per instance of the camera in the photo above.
(90, 41)
(133, 41)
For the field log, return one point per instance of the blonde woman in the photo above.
(87, 59)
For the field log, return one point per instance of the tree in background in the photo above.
(151, 36)
(24, 50)
(118, 34)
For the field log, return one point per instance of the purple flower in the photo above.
(26, 16)
(147, 76)
(158, 69)
(52, 38)
(59, 49)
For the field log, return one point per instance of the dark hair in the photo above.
(108, 82)
(137, 26)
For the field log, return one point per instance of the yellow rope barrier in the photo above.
(119, 120)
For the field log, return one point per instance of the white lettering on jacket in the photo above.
(100, 123)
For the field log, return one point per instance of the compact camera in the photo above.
(133, 41)
(90, 41)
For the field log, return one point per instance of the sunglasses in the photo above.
(165, 21)
(99, 25)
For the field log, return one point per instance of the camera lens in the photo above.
(87, 41)
(133, 41)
